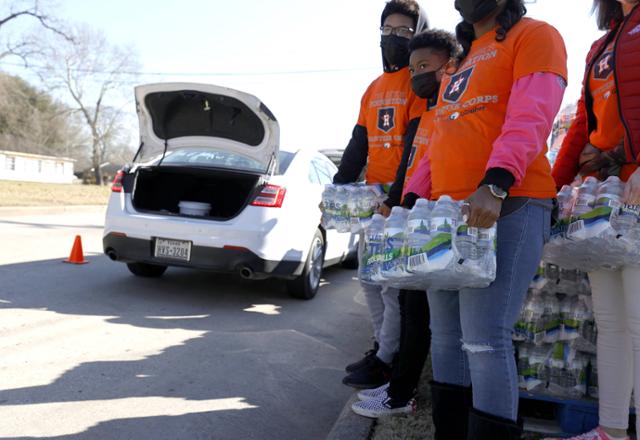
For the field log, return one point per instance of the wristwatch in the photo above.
(497, 192)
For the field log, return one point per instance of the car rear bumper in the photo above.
(138, 250)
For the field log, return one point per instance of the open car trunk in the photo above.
(161, 189)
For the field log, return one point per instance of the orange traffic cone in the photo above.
(76, 257)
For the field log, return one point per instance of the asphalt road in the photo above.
(92, 352)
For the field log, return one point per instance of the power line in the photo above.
(187, 74)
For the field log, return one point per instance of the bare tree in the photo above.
(94, 75)
(20, 10)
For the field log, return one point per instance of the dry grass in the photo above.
(51, 194)
(417, 426)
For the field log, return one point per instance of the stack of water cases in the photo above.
(348, 208)
(429, 246)
(556, 335)
(595, 229)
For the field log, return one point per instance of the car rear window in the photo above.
(209, 158)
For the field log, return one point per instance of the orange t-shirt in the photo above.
(420, 144)
(472, 107)
(609, 130)
(385, 110)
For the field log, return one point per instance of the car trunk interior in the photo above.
(161, 189)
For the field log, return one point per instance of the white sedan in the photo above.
(210, 189)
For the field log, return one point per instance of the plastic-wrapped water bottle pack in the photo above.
(427, 247)
(348, 208)
(556, 335)
(596, 230)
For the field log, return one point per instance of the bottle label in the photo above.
(420, 226)
(633, 210)
(467, 231)
(418, 262)
(443, 224)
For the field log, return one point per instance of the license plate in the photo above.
(172, 249)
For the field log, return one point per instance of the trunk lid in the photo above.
(203, 125)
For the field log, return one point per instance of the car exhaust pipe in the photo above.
(112, 254)
(247, 273)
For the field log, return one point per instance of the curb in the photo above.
(351, 426)
(6, 211)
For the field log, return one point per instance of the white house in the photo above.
(35, 168)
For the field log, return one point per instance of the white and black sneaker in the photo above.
(375, 408)
(374, 393)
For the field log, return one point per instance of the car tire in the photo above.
(146, 270)
(351, 262)
(306, 285)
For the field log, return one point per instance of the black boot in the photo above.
(451, 405)
(365, 360)
(483, 426)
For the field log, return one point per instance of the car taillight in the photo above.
(270, 196)
(116, 186)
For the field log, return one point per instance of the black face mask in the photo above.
(395, 52)
(425, 85)
(475, 10)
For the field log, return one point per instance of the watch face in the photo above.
(498, 192)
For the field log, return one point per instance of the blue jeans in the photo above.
(471, 328)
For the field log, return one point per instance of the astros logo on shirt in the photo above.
(458, 85)
(604, 66)
(386, 118)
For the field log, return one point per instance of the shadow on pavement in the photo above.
(280, 358)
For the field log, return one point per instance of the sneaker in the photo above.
(372, 375)
(374, 393)
(374, 408)
(364, 361)
(596, 434)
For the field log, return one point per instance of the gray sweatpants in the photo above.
(384, 308)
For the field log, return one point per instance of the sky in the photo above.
(309, 62)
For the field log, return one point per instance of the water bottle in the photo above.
(538, 356)
(418, 237)
(566, 198)
(625, 220)
(585, 197)
(373, 249)
(394, 263)
(443, 223)
(534, 313)
(523, 365)
(530, 364)
(578, 231)
(583, 319)
(342, 220)
(610, 193)
(328, 200)
(552, 321)
(353, 207)
(521, 329)
(566, 306)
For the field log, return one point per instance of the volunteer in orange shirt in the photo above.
(604, 141)
(432, 52)
(389, 115)
(487, 148)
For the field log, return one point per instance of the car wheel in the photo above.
(306, 285)
(146, 270)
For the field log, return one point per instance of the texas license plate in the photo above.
(172, 249)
